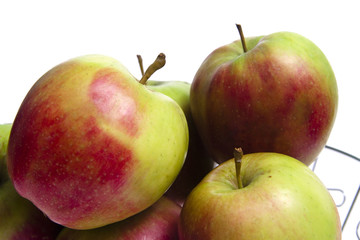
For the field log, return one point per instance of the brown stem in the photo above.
(156, 65)
(242, 37)
(140, 64)
(238, 154)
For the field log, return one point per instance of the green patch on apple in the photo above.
(4, 139)
(198, 162)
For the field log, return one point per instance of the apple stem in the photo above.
(238, 154)
(242, 37)
(156, 65)
(140, 64)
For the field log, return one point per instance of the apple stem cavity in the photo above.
(242, 37)
(156, 65)
(238, 154)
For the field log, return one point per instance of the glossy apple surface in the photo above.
(90, 145)
(279, 96)
(281, 198)
(157, 222)
(197, 163)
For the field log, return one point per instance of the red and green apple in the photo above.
(274, 93)
(273, 196)
(92, 145)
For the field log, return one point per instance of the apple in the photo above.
(91, 145)
(20, 219)
(279, 95)
(4, 139)
(197, 163)
(278, 197)
(159, 222)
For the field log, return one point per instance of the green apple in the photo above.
(158, 222)
(280, 95)
(179, 91)
(4, 139)
(274, 196)
(20, 219)
(92, 145)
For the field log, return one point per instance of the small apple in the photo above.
(160, 222)
(274, 93)
(20, 219)
(92, 145)
(273, 196)
(197, 163)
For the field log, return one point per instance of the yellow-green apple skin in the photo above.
(197, 163)
(279, 96)
(4, 139)
(160, 222)
(20, 219)
(90, 145)
(281, 198)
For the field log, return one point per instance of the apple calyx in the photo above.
(156, 65)
(238, 154)
(242, 37)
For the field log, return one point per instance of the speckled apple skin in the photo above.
(91, 146)
(279, 96)
(160, 222)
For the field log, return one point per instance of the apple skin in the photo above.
(197, 163)
(90, 145)
(4, 139)
(280, 96)
(281, 199)
(20, 219)
(160, 221)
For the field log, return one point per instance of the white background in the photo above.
(37, 35)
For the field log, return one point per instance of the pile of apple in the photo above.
(95, 153)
